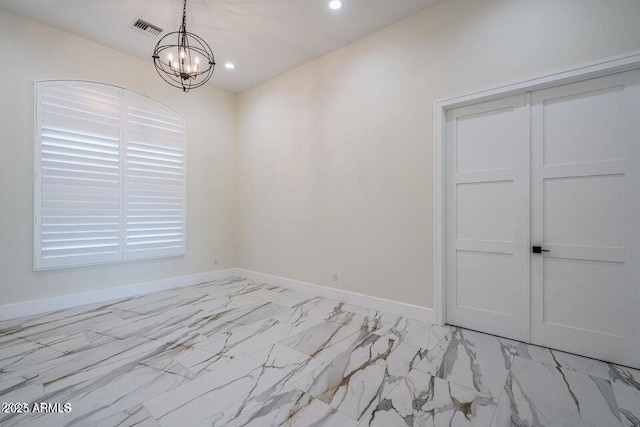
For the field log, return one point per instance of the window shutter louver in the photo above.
(109, 176)
(154, 207)
(79, 176)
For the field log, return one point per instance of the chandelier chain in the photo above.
(184, 15)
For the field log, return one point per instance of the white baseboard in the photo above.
(28, 308)
(394, 307)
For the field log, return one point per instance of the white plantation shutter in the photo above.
(154, 210)
(79, 202)
(109, 176)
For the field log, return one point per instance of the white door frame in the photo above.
(594, 69)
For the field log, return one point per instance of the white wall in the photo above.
(335, 157)
(332, 171)
(30, 51)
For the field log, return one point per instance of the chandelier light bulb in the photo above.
(335, 4)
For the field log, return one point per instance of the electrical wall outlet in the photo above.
(334, 277)
(215, 261)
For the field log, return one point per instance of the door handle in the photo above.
(539, 250)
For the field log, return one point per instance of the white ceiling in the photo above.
(263, 38)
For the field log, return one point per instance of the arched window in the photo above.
(109, 176)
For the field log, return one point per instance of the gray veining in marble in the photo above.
(359, 378)
(423, 400)
(240, 353)
(326, 340)
(537, 394)
(471, 359)
(223, 395)
(292, 407)
(625, 381)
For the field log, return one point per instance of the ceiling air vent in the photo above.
(145, 27)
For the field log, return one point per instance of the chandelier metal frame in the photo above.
(191, 52)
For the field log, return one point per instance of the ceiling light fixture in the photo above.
(229, 66)
(335, 4)
(187, 63)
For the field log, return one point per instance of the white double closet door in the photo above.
(557, 169)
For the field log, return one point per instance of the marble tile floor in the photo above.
(239, 353)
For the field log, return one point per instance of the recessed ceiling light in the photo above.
(335, 4)
(229, 66)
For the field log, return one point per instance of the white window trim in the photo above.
(37, 183)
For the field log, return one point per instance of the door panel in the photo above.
(495, 271)
(489, 127)
(488, 217)
(584, 139)
(485, 211)
(572, 218)
(576, 125)
(583, 294)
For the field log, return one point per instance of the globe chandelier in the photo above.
(183, 59)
